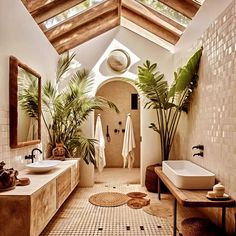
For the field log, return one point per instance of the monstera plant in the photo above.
(168, 102)
(65, 110)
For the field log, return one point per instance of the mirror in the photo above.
(25, 105)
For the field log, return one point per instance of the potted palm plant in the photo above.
(168, 102)
(64, 111)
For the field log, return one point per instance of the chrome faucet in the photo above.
(32, 156)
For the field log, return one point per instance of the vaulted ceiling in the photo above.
(70, 23)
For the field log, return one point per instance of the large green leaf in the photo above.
(152, 83)
(184, 76)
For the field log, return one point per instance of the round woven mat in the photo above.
(137, 203)
(136, 194)
(108, 199)
(159, 209)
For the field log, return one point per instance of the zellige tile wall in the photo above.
(12, 157)
(212, 117)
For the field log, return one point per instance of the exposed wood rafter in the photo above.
(79, 20)
(184, 7)
(149, 25)
(105, 16)
(87, 31)
(33, 5)
(53, 9)
(153, 16)
(163, 17)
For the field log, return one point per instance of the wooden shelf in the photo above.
(190, 198)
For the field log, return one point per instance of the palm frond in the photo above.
(63, 64)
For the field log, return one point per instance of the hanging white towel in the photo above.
(128, 144)
(99, 146)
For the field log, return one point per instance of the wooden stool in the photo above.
(199, 227)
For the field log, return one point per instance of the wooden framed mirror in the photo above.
(25, 104)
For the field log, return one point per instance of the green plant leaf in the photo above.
(184, 76)
(154, 127)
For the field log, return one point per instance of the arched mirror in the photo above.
(25, 105)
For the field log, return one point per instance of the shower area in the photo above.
(125, 96)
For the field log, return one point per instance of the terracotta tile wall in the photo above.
(212, 118)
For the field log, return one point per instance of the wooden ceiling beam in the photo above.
(197, 5)
(81, 19)
(184, 7)
(87, 31)
(51, 10)
(150, 14)
(33, 5)
(158, 30)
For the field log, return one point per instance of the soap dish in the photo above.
(225, 197)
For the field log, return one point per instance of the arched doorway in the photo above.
(125, 96)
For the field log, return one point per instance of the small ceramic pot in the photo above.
(219, 190)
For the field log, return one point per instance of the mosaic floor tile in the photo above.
(79, 217)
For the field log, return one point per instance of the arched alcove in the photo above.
(120, 92)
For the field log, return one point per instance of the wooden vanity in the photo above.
(26, 210)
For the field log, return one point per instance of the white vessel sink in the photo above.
(187, 175)
(42, 166)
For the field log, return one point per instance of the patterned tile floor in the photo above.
(79, 217)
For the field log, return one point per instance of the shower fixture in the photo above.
(117, 131)
(108, 135)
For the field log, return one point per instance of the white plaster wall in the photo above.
(21, 37)
(93, 54)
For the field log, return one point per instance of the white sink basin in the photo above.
(187, 175)
(42, 166)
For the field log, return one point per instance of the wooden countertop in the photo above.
(191, 198)
(38, 180)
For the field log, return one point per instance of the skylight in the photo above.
(83, 6)
(199, 1)
(167, 11)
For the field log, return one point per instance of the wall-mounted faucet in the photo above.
(198, 154)
(199, 146)
(32, 156)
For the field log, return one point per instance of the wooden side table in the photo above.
(190, 198)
